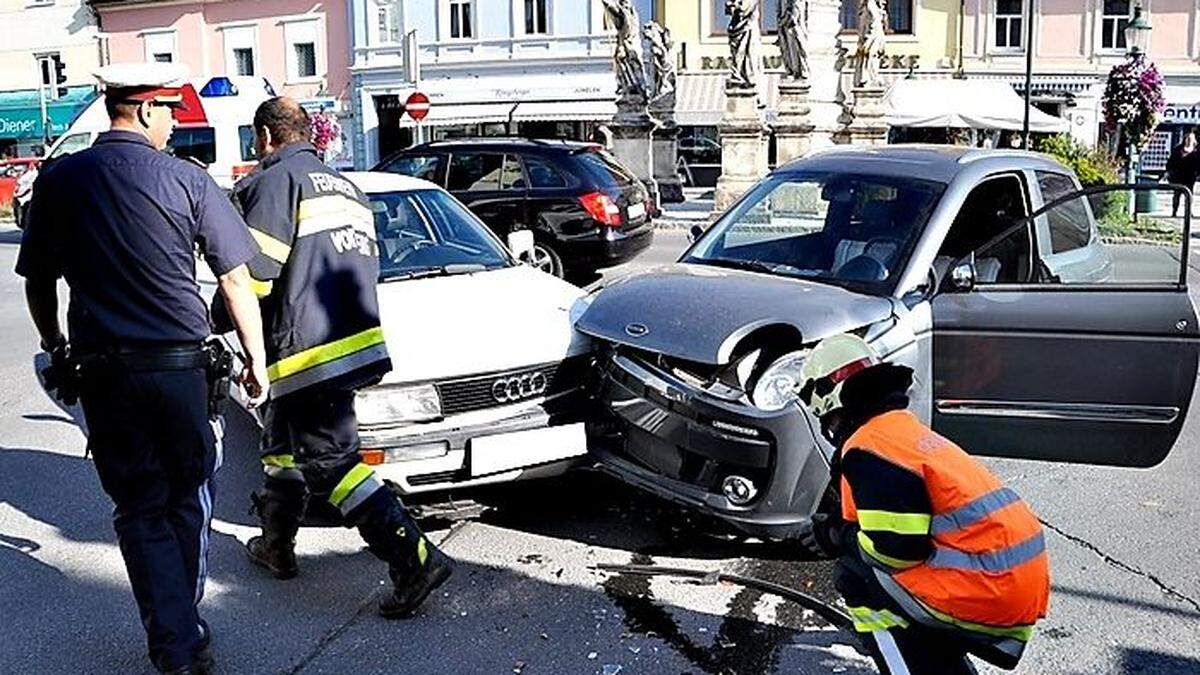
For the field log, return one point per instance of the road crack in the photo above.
(1165, 588)
(363, 609)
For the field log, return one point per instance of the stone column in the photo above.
(869, 126)
(743, 147)
(824, 26)
(793, 130)
(632, 143)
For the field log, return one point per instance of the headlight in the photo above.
(779, 383)
(392, 405)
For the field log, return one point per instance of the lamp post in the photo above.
(1137, 45)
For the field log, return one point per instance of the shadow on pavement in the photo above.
(1177, 610)
(1144, 662)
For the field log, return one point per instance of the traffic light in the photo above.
(59, 71)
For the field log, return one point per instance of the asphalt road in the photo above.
(527, 597)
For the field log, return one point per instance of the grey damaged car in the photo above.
(1043, 322)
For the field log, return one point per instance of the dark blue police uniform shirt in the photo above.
(120, 222)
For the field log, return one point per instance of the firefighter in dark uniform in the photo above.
(316, 274)
(121, 222)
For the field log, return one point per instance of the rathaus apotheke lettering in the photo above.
(887, 62)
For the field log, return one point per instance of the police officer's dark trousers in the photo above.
(899, 645)
(156, 449)
(310, 451)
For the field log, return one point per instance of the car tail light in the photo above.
(602, 208)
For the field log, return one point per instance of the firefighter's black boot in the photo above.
(412, 586)
(280, 509)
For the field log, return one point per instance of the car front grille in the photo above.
(480, 392)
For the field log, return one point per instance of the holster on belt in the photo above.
(211, 356)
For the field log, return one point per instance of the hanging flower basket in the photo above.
(1133, 100)
(326, 132)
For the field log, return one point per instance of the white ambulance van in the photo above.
(216, 130)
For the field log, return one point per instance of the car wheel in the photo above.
(545, 259)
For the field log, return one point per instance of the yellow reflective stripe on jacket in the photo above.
(325, 353)
(270, 246)
(867, 620)
(889, 521)
(328, 212)
(353, 478)
(868, 547)
(261, 288)
(1022, 633)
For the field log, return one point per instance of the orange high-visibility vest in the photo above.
(989, 571)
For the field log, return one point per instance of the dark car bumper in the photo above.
(664, 436)
(606, 247)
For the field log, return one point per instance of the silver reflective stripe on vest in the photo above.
(975, 511)
(996, 561)
(329, 370)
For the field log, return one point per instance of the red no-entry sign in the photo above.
(417, 106)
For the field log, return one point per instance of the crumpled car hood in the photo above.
(699, 312)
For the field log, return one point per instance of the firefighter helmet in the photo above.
(828, 366)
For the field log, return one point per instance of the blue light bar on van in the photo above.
(219, 86)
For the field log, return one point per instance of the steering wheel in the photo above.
(409, 250)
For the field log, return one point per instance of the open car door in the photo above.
(1091, 356)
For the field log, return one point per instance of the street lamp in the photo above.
(1137, 44)
(1137, 33)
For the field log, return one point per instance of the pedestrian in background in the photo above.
(316, 275)
(120, 222)
(1183, 166)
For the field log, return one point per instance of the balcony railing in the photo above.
(479, 50)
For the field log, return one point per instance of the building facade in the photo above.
(489, 67)
(301, 47)
(30, 29)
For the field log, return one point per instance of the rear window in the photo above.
(605, 169)
(425, 167)
(198, 143)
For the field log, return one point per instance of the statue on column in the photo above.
(627, 54)
(662, 48)
(872, 43)
(793, 37)
(744, 40)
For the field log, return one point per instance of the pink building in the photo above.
(300, 46)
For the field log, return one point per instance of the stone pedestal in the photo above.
(743, 147)
(793, 130)
(632, 143)
(869, 126)
(666, 162)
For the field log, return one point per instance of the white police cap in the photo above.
(144, 81)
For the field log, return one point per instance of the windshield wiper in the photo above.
(437, 271)
(750, 265)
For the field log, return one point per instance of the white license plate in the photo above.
(503, 452)
(636, 210)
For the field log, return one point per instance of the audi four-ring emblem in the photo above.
(519, 387)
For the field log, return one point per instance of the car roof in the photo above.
(505, 142)
(382, 181)
(942, 163)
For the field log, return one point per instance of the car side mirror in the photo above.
(520, 243)
(961, 278)
(694, 233)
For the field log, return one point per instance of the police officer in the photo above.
(316, 274)
(937, 558)
(120, 222)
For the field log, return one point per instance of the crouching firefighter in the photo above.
(936, 558)
(316, 275)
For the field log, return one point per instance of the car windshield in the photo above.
(428, 232)
(854, 230)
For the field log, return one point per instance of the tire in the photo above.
(547, 260)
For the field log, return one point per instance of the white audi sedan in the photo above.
(488, 369)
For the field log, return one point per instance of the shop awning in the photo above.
(963, 104)
(700, 100)
(1183, 104)
(21, 112)
(443, 114)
